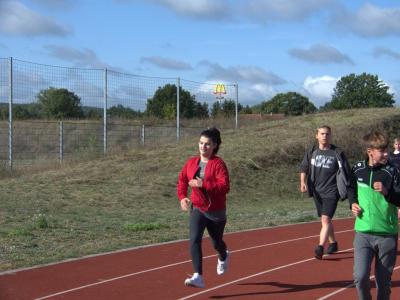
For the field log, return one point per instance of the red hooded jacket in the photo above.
(215, 184)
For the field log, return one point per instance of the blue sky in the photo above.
(266, 46)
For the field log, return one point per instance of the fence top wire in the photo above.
(141, 76)
(53, 66)
(113, 71)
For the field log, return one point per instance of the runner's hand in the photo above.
(185, 204)
(379, 187)
(356, 209)
(198, 182)
(303, 187)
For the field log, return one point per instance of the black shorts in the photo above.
(326, 205)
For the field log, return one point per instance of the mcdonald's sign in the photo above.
(219, 90)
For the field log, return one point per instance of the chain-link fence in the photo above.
(99, 90)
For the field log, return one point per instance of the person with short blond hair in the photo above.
(324, 175)
(374, 195)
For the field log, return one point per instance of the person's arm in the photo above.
(303, 182)
(342, 175)
(352, 189)
(394, 193)
(352, 195)
(346, 166)
(182, 188)
(304, 169)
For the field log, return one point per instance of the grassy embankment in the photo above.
(129, 200)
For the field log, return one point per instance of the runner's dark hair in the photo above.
(213, 134)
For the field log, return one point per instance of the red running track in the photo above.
(269, 263)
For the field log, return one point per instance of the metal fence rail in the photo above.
(101, 89)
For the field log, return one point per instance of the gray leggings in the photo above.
(384, 249)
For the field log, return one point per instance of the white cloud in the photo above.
(320, 53)
(205, 91)
(166, 63)
(370, 21)
(56, 4)
(256, 84)
(249, 94)
(257, 11)
(17, 19)
(392, 89)
(199, 9)
(283, 10)
(248, 74)
(81, 58)
(263, 89)
(320, 89)
(383, 51)
(256, 93)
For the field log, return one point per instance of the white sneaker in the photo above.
(222, 266)
(196, 281)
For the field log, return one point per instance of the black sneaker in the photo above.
(319, 252)
(332, 248)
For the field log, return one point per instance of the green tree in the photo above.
(256, 109)
(163, 104)
(216, 109)
(27, 111)
(201, 110)
(226, 109)
(123, 112)
(60, 103)
(291, 103)
(3, 111)
(360, 91)
(93, 113)
(247, 110)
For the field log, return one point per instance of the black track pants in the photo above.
(198, 223)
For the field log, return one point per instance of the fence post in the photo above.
(143, 136)
(237, 106)
(61, 130)
(178, 85)
(10, 117)
(105, 114)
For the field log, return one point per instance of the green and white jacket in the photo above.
(379, 213)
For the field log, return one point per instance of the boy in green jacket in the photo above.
(373, 195)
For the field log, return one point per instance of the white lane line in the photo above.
(347, 287)
(337, 291)
(254, 275)
(14, 271)
(283, 242)
(111, 279)
(176, 264)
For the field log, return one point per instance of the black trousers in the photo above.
(198, 223)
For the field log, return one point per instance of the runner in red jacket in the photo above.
(208, 178)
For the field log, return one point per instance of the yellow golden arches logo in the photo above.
(219, 90)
